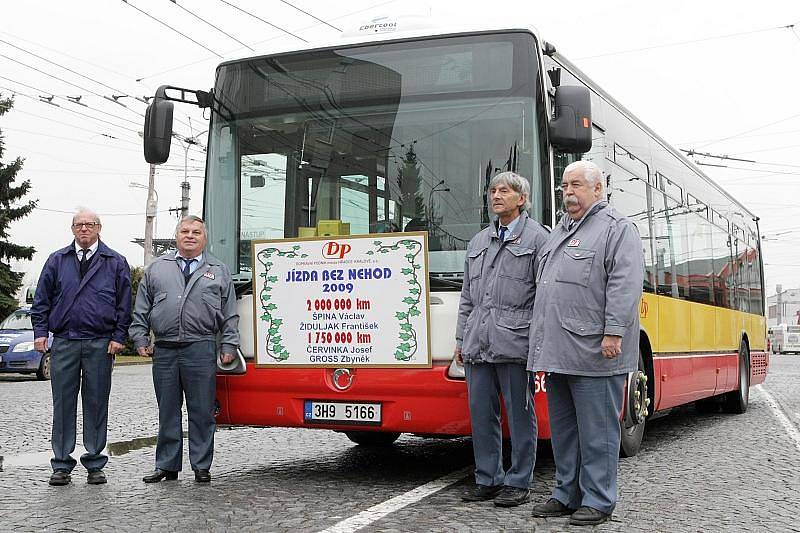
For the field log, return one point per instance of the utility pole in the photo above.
(150, 215)
(185, 198)
(185, 186)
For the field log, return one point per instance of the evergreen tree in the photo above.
(11, 209)
(408, 180)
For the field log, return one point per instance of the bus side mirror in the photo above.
(158, 130)
(571, 128)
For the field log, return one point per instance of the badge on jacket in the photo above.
(574, 242)
(208, 274)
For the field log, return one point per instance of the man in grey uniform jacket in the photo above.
(492, 341)
(187, 299)
(585, 336)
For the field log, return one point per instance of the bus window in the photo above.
(701, 266)
(629, 195)
(723, 278)
(741, 278)
(263, 186)
(672, 250)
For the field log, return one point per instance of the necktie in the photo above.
(187, 269)
(502, 234)
(84, 264)
(571, 224)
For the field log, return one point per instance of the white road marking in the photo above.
(376, 512)
(787, 424)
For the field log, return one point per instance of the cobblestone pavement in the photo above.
(696, 472)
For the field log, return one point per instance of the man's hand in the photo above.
(40, 344)
(226, 358)
(457, 355)
(611, 346)
(114, 348)
(144, 351)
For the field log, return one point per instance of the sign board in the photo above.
(359, 301)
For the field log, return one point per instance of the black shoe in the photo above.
(96, 477)
(551, 507)
(481, 493)
(202, 476)
(157, 475)
(588, 516)
(60, 478)
(512, 496)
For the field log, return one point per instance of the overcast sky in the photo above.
(717, 76)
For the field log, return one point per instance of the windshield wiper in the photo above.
(448, 283)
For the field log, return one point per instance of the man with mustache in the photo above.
(492, 341)
(585, 336)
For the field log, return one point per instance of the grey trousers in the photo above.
(585, 434)
(190, 371)
(85, 366)
(485, 383)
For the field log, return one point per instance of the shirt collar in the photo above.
(92, 249)
(199, 258)
(511, 226)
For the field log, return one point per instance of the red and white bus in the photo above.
(399, 127)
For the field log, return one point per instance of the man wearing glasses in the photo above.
(84, 298)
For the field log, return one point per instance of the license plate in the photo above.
(342, 413)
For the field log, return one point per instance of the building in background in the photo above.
(783, 307)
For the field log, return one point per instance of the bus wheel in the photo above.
(736, 401)
(636, 407)
(372, 438)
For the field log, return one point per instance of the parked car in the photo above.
(16, 346)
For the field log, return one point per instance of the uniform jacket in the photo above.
(497, 296)
(176, 311)
(589, 284)
(97, 306)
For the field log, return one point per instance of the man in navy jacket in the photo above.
(84, 298)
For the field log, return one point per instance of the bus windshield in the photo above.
(400, 136)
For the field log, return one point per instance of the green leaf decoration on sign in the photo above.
(407, 349)
(274, 342)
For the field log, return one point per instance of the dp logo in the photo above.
(335, 250)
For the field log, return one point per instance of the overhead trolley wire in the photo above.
(65, 81)
(193, 63)
(287, 32)
(69, 139)
(115, 90)
(99, 214)
(692, 41)
(126, 2)
(143, 99)
(14, 91)
(71, 101)
(76, 101)
(310, 15)
(74, 126)
(749, 131)
(201, 19)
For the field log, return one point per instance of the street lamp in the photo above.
(434, 189)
